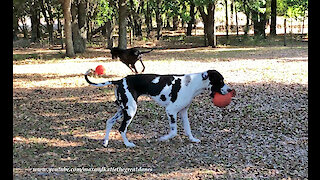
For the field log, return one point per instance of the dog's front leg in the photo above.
(142, 64)
(186, 125)
(172, 117)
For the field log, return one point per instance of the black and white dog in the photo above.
(174, 92)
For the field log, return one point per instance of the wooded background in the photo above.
(78, 21)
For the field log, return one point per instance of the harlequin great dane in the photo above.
(174, 92)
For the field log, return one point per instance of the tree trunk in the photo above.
(108, 34)
(79, 32)
(303, 24)
(47, 14)
(255, 23)
(135, 18)
(24, 28)
(167, 22)
(148, 19)
(259, 23)
(227, 23)
(60, 31)
(192, 20)
(247, 12)
(122, 43)
(15, 25)
(263, 22)
(208, 20)
(247, 27)
(285, 32)
(35, 21)
(175, 22)
(236, 11)
(158, 19)
(273, 26)
(66, 6)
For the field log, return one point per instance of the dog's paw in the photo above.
(105, 143)
(195, 140)
(130, 144)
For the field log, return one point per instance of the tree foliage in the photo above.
(102, 15)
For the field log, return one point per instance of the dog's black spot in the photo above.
(172, 120)
(125, 120)
(175, 89)
(163, 97)
(121, 93)
(204, 76)
(187, 80)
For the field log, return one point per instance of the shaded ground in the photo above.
(59, 121)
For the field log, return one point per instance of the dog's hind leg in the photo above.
(130, 67)
(186, 125)
(172, 116)
(134, 67)
(109, 125)
(128, 115)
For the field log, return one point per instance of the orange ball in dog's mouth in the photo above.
(223, 100)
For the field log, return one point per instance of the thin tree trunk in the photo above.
(237, 25)
(247, 27)
(158, 19)
(302, 25)
(273, 26)
(175, 22)
(49, 20)
(108, 33)
(15, 26)
(66, 6)
(285, 32)
(148, 19)
(191, 22)
(35, 21)
(209, 28)
(79, 32)
(227, 23)
(122, 43)
(60, 31)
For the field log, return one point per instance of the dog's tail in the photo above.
(146, 51)
(90, 71)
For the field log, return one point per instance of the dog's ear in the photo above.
(214, 75)
(205, 75)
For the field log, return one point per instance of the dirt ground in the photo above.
(59, 121)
